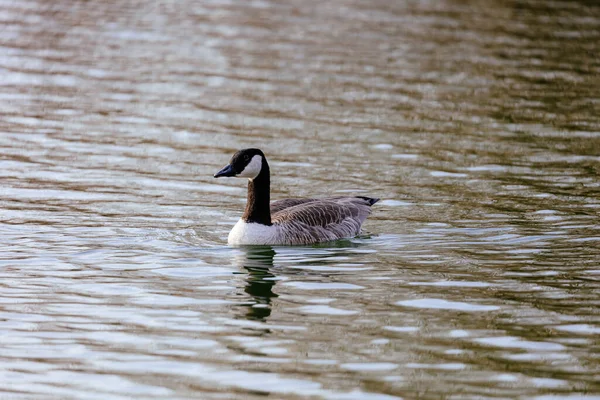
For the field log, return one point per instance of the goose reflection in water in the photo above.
(258, 260)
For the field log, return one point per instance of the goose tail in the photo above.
(370, 200)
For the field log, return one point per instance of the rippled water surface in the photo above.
(477, 123)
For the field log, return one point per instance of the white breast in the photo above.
(252, 233)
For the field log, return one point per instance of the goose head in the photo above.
(247, 163)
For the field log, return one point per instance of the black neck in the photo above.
(258, 207)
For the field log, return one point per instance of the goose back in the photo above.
(279, 205)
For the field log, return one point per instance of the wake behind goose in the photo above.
(289, 221)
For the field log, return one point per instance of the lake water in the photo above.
(477, 123)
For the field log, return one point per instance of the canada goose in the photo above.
(289, 221)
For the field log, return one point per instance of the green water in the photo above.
(477, 123)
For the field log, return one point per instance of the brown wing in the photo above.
(322, 219)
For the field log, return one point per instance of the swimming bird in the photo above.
(289, 221)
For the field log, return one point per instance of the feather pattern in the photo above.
(303, 221)
(279, 205)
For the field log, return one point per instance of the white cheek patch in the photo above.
(252, 169)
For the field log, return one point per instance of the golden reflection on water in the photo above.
(477, 124)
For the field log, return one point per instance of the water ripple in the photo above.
(476, 274)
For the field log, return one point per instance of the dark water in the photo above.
(477, 123)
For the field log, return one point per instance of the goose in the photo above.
(289, 221)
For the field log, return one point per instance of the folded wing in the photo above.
(317, 220)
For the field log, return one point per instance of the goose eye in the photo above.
(246, 157)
